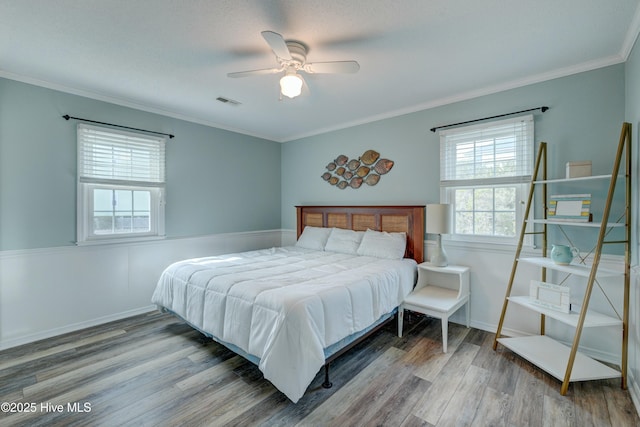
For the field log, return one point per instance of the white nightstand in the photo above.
(439, 292)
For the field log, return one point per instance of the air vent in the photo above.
(227, 101)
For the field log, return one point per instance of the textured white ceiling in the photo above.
(172, 56)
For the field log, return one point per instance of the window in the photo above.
(120, 185)
(485, 171)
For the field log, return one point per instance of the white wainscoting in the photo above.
(48, 292)
(634, 338)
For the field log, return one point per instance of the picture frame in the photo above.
(549, 295)
(569, 207)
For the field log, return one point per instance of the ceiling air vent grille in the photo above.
(228, 101)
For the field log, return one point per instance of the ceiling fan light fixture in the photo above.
(292, 59)
(291, 85)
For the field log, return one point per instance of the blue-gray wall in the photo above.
(632, 114)
(220, 181)
(632, 111)
(583, 123)
(217, 181)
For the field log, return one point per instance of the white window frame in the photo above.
(519, 179)
(92, 176)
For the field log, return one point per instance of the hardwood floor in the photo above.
(153, 370)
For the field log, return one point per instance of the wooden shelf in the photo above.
(576, 269)
(592, 319)
(552, 356)
(582, 178)
(575, 223)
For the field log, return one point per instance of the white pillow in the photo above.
(313, 238)
(381, 244)
(344, 241)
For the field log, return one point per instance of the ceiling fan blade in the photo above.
(277, 43)
(254, 72)
(332, 67)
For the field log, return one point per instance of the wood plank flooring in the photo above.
(153, 370)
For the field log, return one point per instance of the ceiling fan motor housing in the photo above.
(298, 54)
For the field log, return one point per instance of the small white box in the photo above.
(578, 169)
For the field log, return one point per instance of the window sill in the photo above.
(484, 246)
(119, 240)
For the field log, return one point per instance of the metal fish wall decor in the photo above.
(353, 173)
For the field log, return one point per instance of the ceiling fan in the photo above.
(292, 59)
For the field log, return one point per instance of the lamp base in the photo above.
(439, 256)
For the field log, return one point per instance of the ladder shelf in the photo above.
(564, 362)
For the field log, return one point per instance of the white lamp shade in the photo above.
(291, 85)
(439, 219)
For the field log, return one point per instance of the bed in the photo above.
(292, 310)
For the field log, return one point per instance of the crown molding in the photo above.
(464, 96)
(632, 35)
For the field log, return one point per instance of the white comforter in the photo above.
(284, 305)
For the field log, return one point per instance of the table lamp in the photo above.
(439, 223)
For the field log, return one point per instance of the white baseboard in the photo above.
(74, 327)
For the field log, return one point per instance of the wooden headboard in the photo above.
(409, 219)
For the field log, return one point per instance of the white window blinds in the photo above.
(495, 152)
(107, 156)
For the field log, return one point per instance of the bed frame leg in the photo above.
(326, 383)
